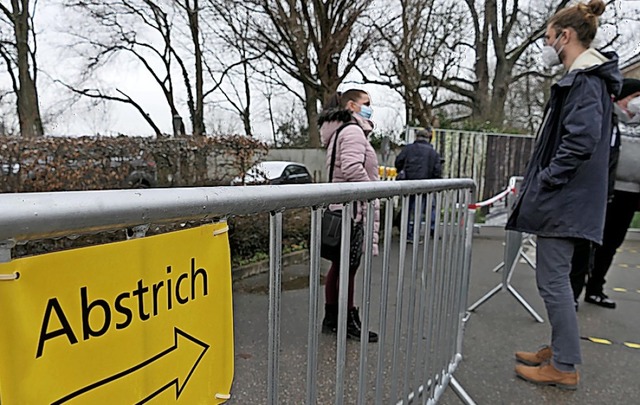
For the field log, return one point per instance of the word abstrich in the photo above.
(142, 302)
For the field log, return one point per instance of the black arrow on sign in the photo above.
(175, 382)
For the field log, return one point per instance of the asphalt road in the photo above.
(493, 333)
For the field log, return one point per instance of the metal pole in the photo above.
(384, 296)
(314, 287)
(366, 294)
(399, 296)
(418, 214)
(275, 269)
(341, 357)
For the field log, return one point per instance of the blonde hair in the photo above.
(583, 18)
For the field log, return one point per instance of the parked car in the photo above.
(275, 172)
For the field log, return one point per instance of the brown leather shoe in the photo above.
(535, 359)
(547, 374)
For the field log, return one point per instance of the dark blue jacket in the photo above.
(419, 161)
(564, 191)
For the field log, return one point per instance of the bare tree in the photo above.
(18, 51)
(191, 10)
(312, 41)
(163, 36)
(8, 126)
(420, 37)
(512, 31)
(231, 27)
(438, 39)
(118, 28)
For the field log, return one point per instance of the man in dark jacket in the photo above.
(419, 161)
(563, 196)
(624, 197)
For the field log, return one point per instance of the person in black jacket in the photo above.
(563, 196)
(419, 161)
(624, 200)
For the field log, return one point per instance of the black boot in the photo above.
(354, 327)
(330, 321)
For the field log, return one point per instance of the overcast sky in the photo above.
(116, 118)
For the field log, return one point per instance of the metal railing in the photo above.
(423, 335)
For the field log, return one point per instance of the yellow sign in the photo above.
(143, 321)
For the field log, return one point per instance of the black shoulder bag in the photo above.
(332, 224)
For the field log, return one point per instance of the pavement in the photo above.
(495, 330)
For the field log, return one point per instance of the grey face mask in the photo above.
(551, 57)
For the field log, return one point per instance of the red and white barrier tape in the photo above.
(496, 198)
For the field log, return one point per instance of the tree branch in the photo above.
(126, 99)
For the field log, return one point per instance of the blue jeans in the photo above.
(412, 205)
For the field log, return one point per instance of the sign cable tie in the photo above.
(221, 231)
(9, 277)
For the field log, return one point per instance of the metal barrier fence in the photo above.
(420, 336)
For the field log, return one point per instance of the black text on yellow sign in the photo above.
(121, 323)
(141, 303)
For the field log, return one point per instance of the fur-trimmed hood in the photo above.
(329, 121)
(335, 114)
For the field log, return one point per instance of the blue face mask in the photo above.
(365, 112)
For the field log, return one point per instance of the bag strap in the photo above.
(335, 144)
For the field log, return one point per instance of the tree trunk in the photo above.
(27, 95)
(311, 107)
(421, 110)
(246, 113)
(498, 100)
(198, 119)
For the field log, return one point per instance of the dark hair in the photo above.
(424, 133)
(583, 18)
(340, 100)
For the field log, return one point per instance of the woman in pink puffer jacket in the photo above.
(355, 160)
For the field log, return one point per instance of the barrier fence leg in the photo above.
(486, 298)
(525, 304)
(498, 267)
(512, 251)
(460, 392)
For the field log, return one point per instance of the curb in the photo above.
(253, 269)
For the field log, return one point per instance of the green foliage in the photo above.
(635, 223)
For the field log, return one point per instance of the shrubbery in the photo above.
(99, 163)
(250, 234)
